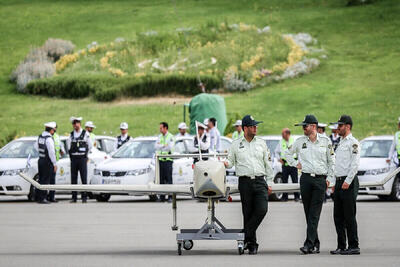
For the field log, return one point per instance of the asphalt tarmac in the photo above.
(131, 231)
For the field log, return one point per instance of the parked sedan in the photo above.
(374, 167)
(13, 159)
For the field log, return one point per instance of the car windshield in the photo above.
(19, 149)
(271, 144)
(136, 149)
(375, 148)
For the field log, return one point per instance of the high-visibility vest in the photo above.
(236, 135)
(57, 145)
(398, 144)
(93, 138)
(284, 146)
(165, 139)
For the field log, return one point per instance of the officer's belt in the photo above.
(255, 177)
(340, 178)
(315, 175)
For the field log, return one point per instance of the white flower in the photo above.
(213, 60)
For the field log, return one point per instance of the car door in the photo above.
(182, 172)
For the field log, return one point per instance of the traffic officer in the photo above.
(395, 148)
(316, 159)
(239, 131)
(204, 141)
(251, 158)
(165, 146)
(334, 136)
(286, 141)
(321, 128)
(346, 188)
(59, 150)
(215, 135)
(80, 145)
(124, 137)
(47, 163)
(182, 128)
(89, 127)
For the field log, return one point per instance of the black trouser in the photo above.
(46, 170)
(165, 174)
(292, 171)
(312, 191)
(254, 198)
(78, 164)
(344, 213)
(51, 194)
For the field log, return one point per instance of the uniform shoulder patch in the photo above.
(355, 148)
(304, 146)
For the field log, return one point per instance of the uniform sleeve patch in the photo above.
(355, 149)
(304, 146)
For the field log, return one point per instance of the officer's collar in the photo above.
(316, 140)
(348, 136)
(80, 131)
(244, 138)
(46, 133)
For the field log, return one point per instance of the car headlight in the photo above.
(377, 171)
(13, 172)
(96, 172)
(138, 172)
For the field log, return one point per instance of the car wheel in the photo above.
(153, 197)
(103, 197)
(32, 190)
(395, 194)
(277, 180)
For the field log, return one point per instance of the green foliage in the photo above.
(107, 88)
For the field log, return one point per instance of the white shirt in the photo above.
(315, 158)
(86, 138)
(180, 135)
(204, 145)
(347, 158)
(393, 150)
(215, 139)
(123, 138)
(49, 146)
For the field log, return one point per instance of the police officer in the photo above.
(334, 136)
(286, 141)
(79, 145)
(239, 131)
(124, 137)
(321, 128)
(215, 135)
(316, 160)
(165, 146)
(204, 141)
(59, 150)
(89, 127)
(346, 188)
(182, 128)
(251, 158)
(394, 153)
(47, 163)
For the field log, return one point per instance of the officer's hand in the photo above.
(332, 190)
(298, 166)
(55, 168)
(269, 190)
(388, 161)
(226, 164)
(327, 184)
(345, 186)
(281, 161)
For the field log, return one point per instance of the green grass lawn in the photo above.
(360, 76)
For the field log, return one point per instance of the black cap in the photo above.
(308, 119)
(344, 119)
(249, 121)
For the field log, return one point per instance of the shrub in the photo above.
(56, 48)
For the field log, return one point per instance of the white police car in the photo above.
(374, 167)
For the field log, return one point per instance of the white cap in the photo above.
(322, 125)
(90, 124)
(201, 125)
(72, 119)
(205, 121)
(333, 126)
(123, 126)
(51, 125)
(182, 126)
(238, 123)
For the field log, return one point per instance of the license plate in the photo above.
(111, 181)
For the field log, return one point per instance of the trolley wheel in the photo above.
(240, 247)
(188, 244)
(179, 248)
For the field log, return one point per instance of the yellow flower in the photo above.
(233, 69)
(110, 54)
(116, 72)
(104, 62)
(139, 74)
(93, 49)
(65, 60)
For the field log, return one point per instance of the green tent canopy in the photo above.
(205, 106)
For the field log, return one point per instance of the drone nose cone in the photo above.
(209, 179)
